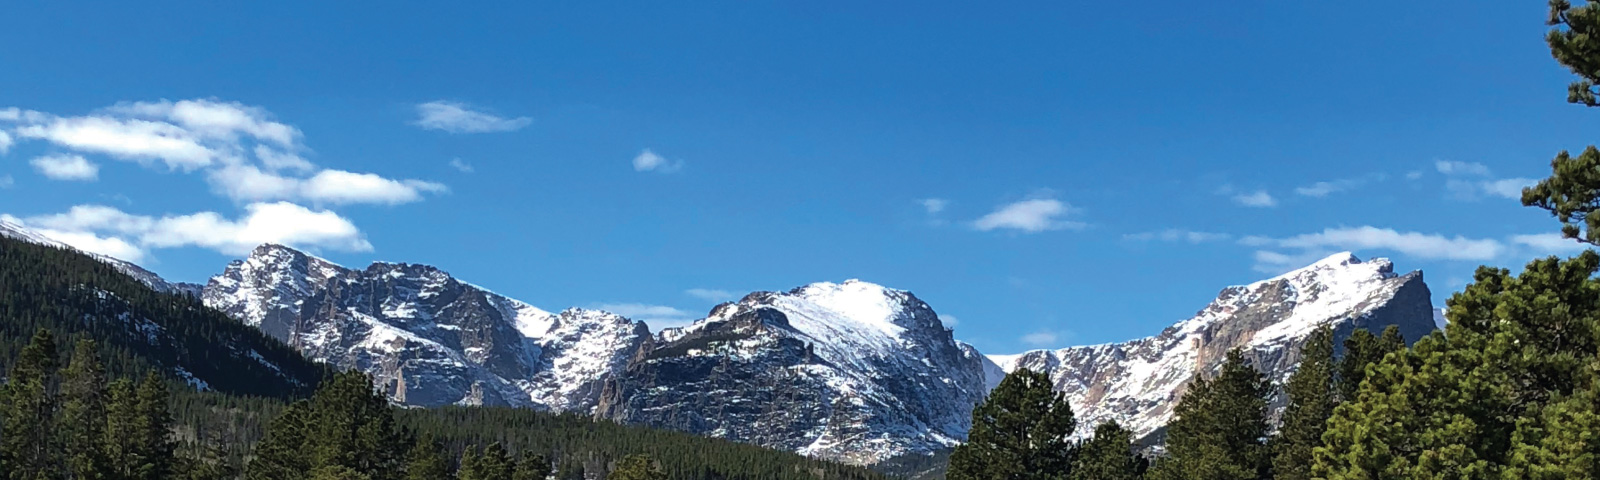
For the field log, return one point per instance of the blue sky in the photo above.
(1047, 174)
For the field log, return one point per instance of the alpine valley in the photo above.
(849, 371)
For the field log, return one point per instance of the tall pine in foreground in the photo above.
(83, 414)
(1311, 401)
(1018, 433)
(1220, 427)
(1108, 455)
(28, 420)
(346, 426)
(1362, 349)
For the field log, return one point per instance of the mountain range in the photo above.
(851, 371)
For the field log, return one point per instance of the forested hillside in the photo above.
(76, 333)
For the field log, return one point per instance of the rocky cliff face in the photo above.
(853, 371)
(1137, 383)
(427, 338)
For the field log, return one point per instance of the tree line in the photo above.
(1221, 429)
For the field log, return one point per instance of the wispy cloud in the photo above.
(649, 161)
(1029, 216)
(712, 294)
(1325, 188)
(66, 167)
(1257, 199)
(246, 154)
(1042, 338)
(657, 316)
(457, 117)
(1178, 235)
(110, 231)
(1468, 181)
(949, 320)
(1543, 244)
(461, 165)
(934, 205)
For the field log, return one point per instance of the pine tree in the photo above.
(1019, 433)
(1311, 402)
(281, 454)
(425, 460)
(83, 414)
(353, 426)
(1108, 455)
(636, 467)
(122, 429)
(29, 418)
(470, 468)
(155, 445)
(532, 467)
(1220, 427)
(493, 464)
(1361, 349)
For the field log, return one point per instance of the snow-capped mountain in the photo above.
(852, 371)
(1137, 383)
(427, 338)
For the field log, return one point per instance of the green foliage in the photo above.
(636, 467)
(1019, 433)
(1312, 397)
(1572, 192)
(1108, 455)
(29, 412)
(532, 466)
(1220, 427)
(345, 424)
(1361, 350)
(426, 460)
(83, 414)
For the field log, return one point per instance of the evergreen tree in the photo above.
(83, 414)
(532, 467)
(154, 445)
(353, 425)
(27, 432)
(1488, 398)
(493, 464)
(1311, 402)
(426, 460)
(1362, 349)
(1220, 427)
(636, 467)
(1019, 433)
(1108, 455)
(122, 429)
(281, 454)
(470, 468)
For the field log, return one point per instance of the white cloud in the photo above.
(102, 229)
(456, 117)
(1472, 188)
(242, 150)
(1461, 168)
(1413, 175)
(341, 187)
(934, 205)
(1030, 216)
(5, 142)
(1177, 235)
(1258, 199)
(648, 161)
(1507, 187)
(461, 165)
(6, 181)
(657, 316)
(127, 139)
(1549, 244)
(66, 167)
(281, 160)
(712, 295)
(336, 187)
(1043, 338)
(1306, 248)
(949, 320)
